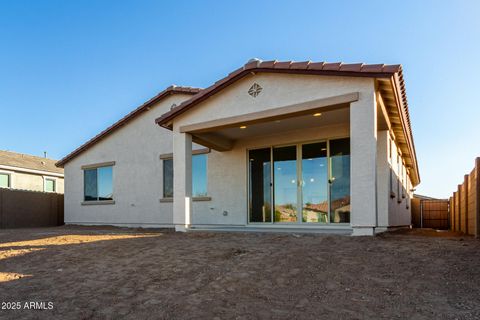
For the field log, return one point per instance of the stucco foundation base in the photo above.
(390, 229)
(363, 231)
(381, 230)
(123, 225)
(182, 228)
(338, 230)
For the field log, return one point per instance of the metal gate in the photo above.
(435, 214)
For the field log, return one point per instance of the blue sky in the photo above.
(68, 69)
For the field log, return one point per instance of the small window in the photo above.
(50, 185)
(390, 148)
(199, 176)
(98, 184)
(392, 192)
(5, 180)
(168, 178)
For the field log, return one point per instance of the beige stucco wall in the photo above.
(383, 178)
(32, 181)
(283, 90)
(137, 174)
(399, 211)
(278, 90)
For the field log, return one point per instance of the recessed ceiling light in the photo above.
(243, 127)
(318, 114)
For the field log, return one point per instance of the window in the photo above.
(98, 184)
(390, 148)
(399, 199)
(168, 178)
(199, 176)
(50, 185)
(392, 193)
(5, 180)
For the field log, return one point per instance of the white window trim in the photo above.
(10, 178)
(45, 178)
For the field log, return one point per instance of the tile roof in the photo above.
(305, 67)
(391, 73)
(132, 115)
(26, 161)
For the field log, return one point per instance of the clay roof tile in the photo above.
(332, 66)
(353, 67)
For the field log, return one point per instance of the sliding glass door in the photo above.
(260, 196)
(340, 181)
(285, 184)
(303, 183)
(314, 182)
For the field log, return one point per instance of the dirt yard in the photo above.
(109, 273)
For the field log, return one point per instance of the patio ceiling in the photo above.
(221, 134)
(390, 100)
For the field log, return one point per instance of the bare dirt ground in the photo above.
(110, 273)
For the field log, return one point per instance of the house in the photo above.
(27, 172)
(272, 146)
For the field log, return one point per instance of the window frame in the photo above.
(96, 167)
(55, 184)
(164, 196)
(10, 178)
(169, 156)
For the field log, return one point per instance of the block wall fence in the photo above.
(465, 204)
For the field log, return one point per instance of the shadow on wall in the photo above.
(398, 189)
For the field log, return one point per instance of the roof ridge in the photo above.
(28, 155)
(125, 119)
(332, 68)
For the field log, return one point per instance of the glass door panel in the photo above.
(340, 181)
(285, 184)
(260, 193)
(314, 182)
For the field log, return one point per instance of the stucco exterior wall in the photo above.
(278, 90)
(138, 170)
(400, 194)
(137, 174)
(383, 178)
(32, 181)
(25, 181)
(282, 90)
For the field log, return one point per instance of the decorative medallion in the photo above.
(255, 90)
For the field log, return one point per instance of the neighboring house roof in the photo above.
(392, 73)
(26, 161)
(422, 197)
(132, 115)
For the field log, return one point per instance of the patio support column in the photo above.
(383, 180)
(182, 180)
(363, 144)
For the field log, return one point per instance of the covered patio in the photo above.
(306, 158)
